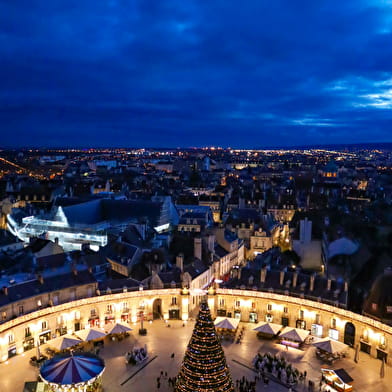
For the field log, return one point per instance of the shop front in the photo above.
(109, 319)
(269, 318)
(125, 317)
(44, 336)
(381, 354)
(60, 331)
(301, 324)
(365, 346)
(333, 334)
(28, 343)
(11, 350)
(253, 317)
(221, 312)
(285, 321)
(174, 314)
(317, 330)
(93, 321)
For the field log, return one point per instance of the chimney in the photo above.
(263, 274)
(74, 271)
(40, 279)
(197, 247)
(329, 282)
(281, 278)
(312, 279)
(211, 242)
(5, 290)
(346, 286)
(295, 278)
(180, 261)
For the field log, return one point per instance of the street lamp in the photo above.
(142, 330)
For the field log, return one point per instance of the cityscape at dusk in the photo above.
(195, 196)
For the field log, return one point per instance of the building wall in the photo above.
(128, 305)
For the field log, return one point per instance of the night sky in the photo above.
(250, 73)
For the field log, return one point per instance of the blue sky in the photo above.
(193, 73)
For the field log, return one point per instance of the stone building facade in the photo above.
(26, 331)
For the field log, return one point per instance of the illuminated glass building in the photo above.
(87, 223)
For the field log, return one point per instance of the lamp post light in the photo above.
(142, 330)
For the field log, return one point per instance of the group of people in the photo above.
(171, 381)
(136, 355)
(245, 385)
(278, 367)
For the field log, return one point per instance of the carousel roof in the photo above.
(73, 369)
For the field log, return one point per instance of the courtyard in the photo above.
(162, 341)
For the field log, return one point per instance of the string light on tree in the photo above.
(204, 367)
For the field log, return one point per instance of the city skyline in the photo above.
(190, 74)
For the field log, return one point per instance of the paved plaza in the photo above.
(162, 341)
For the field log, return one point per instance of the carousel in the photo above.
(81, 372)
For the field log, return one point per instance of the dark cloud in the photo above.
(147, 72)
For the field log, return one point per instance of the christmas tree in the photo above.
(204, 367)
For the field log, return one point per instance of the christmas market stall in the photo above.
(64, 342)
(337, 380)
(267, 330)
(293, 337)
(226, 326)
(80, 372)
(329, 350)
(90, 334)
